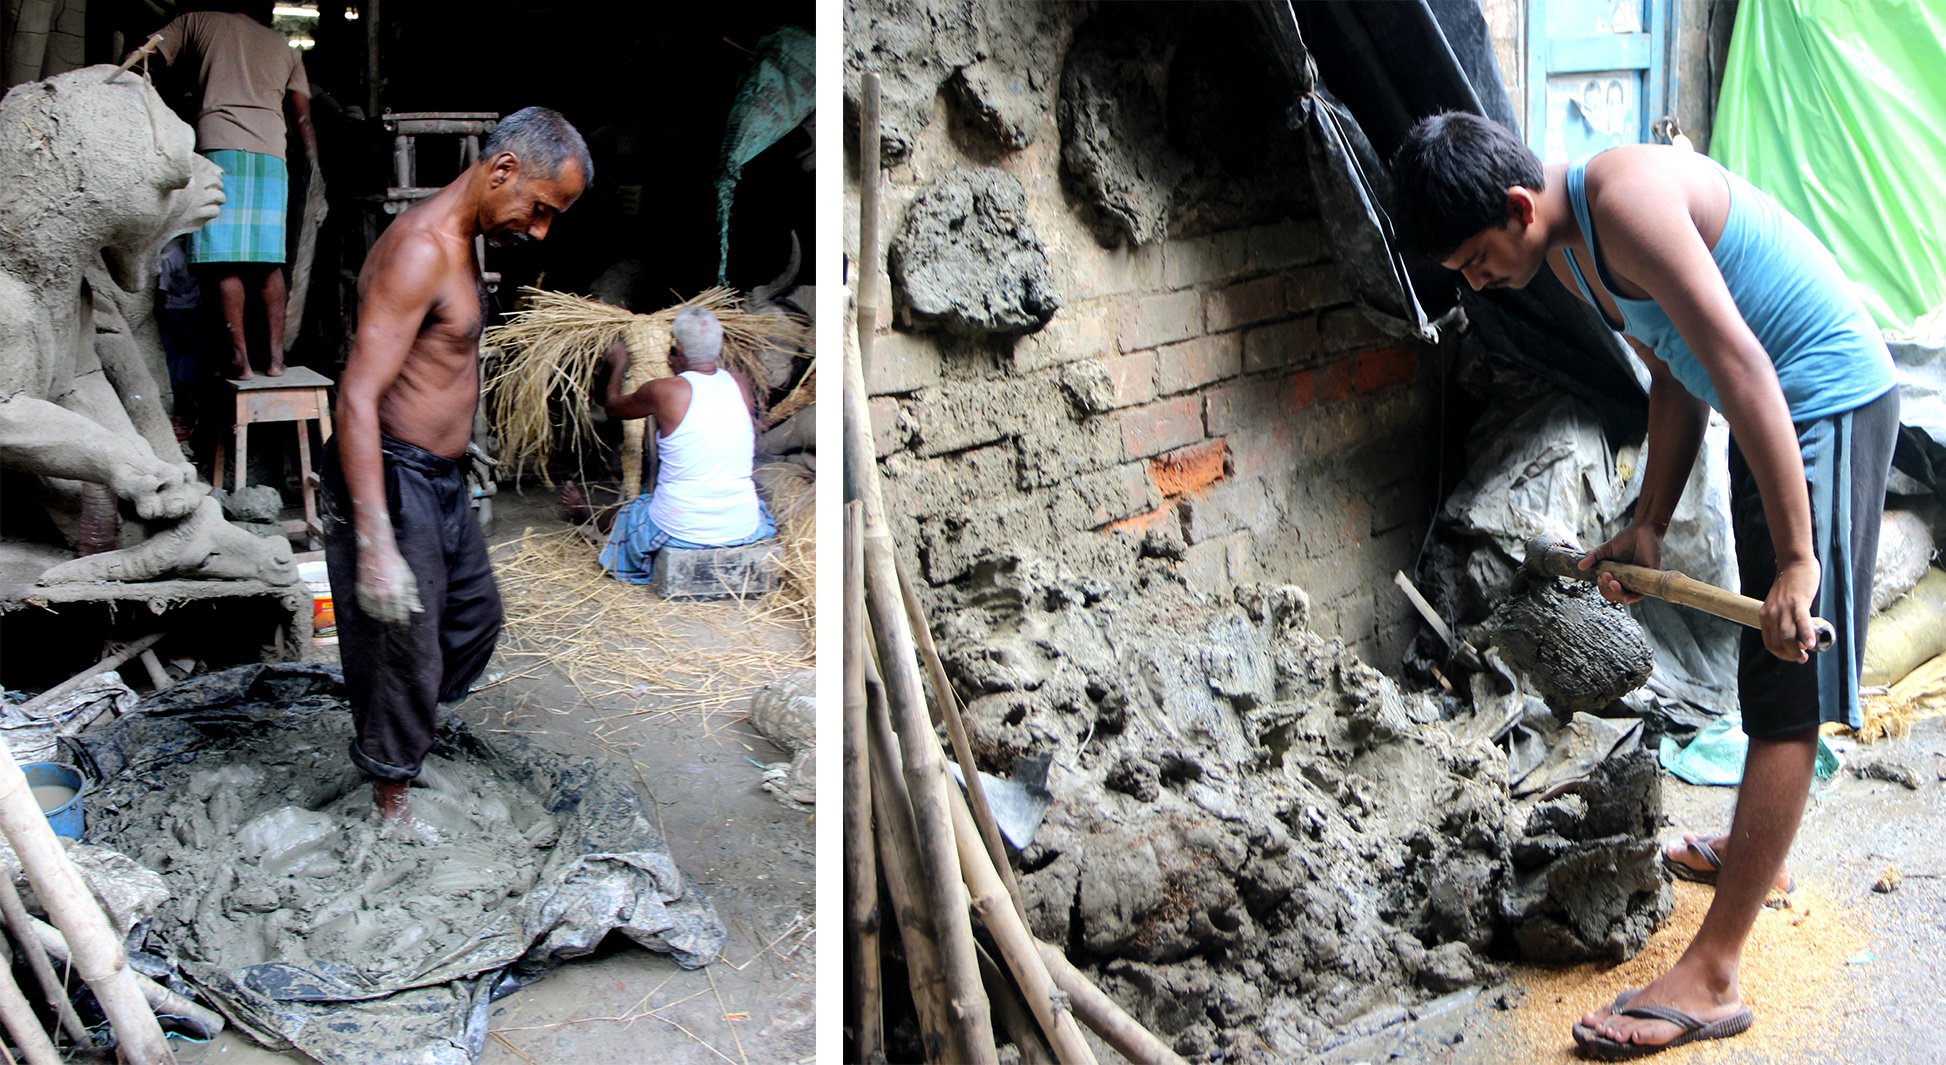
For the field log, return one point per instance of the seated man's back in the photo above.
(703, 491)
(704, 496)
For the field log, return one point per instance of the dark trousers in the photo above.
(397, 676)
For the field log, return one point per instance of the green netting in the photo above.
(777, 94)
(1834, 107)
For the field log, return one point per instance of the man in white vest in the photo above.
(706, 440)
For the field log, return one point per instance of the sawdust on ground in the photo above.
(1795, 956)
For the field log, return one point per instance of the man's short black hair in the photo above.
(1450, 180)
(541, 139)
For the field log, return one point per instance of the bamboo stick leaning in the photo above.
(863, 989)
(198, 1021)
(971, 1032)
(1016, 946)
(20, 925)
(98, 956)
(21, 1022)
(941, 863)
(976, 792)
(897, 850)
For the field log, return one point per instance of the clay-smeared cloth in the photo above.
(608, 871)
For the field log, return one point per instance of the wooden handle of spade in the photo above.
(1664, 584)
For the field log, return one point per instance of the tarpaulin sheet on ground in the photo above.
(606, 870)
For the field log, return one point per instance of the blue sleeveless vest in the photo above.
(1825, 346)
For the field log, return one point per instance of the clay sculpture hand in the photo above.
(98, 176)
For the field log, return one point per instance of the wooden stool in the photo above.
(301, 395)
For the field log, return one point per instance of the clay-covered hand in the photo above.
(1638, 545)
(1786, 613)
(387, 592)
(157, 489)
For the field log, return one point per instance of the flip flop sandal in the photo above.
(1595, 1045)
(1684, 871)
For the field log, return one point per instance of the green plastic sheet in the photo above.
(1835, 107)
(775, 96)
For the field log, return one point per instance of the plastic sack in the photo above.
(1715, 755)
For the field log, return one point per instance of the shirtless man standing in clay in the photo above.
(398, 524)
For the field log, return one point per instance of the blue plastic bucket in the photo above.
(46, 778)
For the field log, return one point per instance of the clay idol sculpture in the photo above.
(98, 175)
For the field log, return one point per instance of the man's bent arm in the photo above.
(1650, 237)
(394, 300)
(617, 400)
(301, 115)
(1677, 422)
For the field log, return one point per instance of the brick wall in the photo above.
(1216, 400)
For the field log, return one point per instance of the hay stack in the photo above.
(790, 491)
(541, 367)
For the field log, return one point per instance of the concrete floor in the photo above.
(751, 855)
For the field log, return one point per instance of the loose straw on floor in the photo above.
(608, 637)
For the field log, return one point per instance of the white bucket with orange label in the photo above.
(324, 616)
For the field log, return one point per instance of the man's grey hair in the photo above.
(542, 139)
(698, 334)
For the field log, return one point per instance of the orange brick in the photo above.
(1334, 381)
(1187, 469)
(1141, 523)
(1300, 391)
(1385, 367)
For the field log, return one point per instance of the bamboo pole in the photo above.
(203, 1023)
(1102, 1015)
(1016, 945)
(1010, 1016)
(108, 662)
(864, 991)
(949, 706)
(971, 1029)
(868, 180)
(98, 956)
(20, 925)
(892, 817)
(19, 1016)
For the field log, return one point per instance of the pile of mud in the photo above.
(1260, 842)
(1265, 847)
(312, 925)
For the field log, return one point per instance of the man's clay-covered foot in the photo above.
(276, 368)
(395, 820)
(202, 546)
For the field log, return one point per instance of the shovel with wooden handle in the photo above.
(1560, 560)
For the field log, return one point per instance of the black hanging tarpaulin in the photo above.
(1361, 74)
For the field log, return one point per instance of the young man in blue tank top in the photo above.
(1732, 304)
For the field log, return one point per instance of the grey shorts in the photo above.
(1846, 459)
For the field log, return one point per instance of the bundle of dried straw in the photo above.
(541, 364)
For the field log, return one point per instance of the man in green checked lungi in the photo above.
(246, 70)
